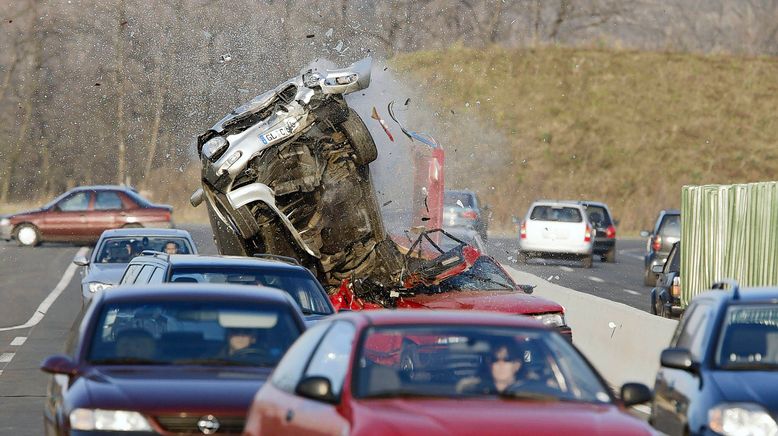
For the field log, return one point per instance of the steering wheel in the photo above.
(252, 354)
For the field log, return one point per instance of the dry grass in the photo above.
(627, 128)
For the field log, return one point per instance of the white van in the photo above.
(556, 229)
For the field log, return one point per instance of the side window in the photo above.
(674, 260)
(158, 276)
(130, 274)
(692, 334)
(332, 357)
(76, 202)
(144, 275)
(290, 370)
(107, 200)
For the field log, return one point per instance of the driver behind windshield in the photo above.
(504, 363)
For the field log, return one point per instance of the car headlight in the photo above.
(214, 147)
(95, 287)
(741, 419)
(111, 420)
(5, 222)
(551, 319)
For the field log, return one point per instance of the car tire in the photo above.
(662, 310)
(610, 256)
(587, 261)
(521, 258)
(653, 303)
(648, 278)
(27, 235)
(365, 150)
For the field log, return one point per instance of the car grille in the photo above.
(187, 424)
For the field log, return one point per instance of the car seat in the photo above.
(135, 343)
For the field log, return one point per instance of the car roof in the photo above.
(103, 188)
(194, 292)
(215, 260)
(586, 203)
(766, 295)
(145, 231)
(556, 203)
(439, 317)
(670, 212)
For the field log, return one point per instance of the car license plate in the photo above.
(290, 124)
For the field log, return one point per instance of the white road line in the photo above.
(595, 279)
(6, 357)
(630, 291)
(40, 312)
(19, 340)
(566, 268)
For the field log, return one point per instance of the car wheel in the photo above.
(653, 304)
(648, 278)
(588, 261)
(358, 135)
(27, 235)
(610, 256)
(521, 257)
(662, 310)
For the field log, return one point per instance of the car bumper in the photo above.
(583, 249)
(566, 332)
(6, 233)
(673, 307)
(603, 246)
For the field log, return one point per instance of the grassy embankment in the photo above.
(628, 128)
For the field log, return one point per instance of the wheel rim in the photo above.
(27, 235)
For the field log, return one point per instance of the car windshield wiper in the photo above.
(750, 366)
(487, 279)
(403, 393)
(127, 361)
(313, 312)
(217, 362)
(528, 395)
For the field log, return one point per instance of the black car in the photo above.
(264, 270)
(666, 295)
(719, 375)
(666, 232)
(605, 229)
(462, 209)
(170, 359)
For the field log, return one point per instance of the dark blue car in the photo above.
(720, 374)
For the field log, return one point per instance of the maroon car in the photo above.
(82, 214)
(408, 372)
(177, 359)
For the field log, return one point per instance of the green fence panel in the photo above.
(728, 231)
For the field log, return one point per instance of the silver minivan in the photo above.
(556, 229)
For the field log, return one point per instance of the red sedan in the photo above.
(82, 214)
(438, 373)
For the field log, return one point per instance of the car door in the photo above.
(108, 208)
(68, 220)
(675, 388)
(331, 360)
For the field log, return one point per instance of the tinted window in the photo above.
(122, 250)
(290, 369)
(556, 213)
(302, 286)
(671, 226)
(674, 259)
(76, 202)
(145, 274)
(692, 335)
(749, 338)
(460, 199)
(183, 332)
(598, 216)
(131, 274)
(107, 200)
(158, 276)
(332, 356)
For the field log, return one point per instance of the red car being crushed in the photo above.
(458, 279)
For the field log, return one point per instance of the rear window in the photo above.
(598, 215)
(671, 226)
(556, 213)
(461, 199)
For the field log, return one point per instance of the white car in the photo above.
(556, 229)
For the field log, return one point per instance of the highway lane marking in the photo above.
(630, 291)
(19, 340)
(40, 312)
(6, 357)
(628, 254)
(566, 268)
(595, 279)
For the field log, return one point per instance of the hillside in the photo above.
(628, 128)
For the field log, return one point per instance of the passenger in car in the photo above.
(503, 364)
(171, 247)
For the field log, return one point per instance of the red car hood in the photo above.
(174, 389)
(513, 302)
(491, 416)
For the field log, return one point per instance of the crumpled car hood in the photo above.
(513, 302)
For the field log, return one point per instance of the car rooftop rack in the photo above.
(732, 283)
(271, 256)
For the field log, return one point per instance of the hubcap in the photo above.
(27, 236)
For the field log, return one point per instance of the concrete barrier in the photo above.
(622, 342)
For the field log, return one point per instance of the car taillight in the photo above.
(657, 244)
(610, 233)
(167, 216)
(523, 231)
(588, 234)
(675, 290)
(470, 214)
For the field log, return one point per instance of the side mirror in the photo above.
(527, 288)
(59, 364)
(81, 260)
(657, 269)
(616, 222)
(645, 234)
(316, 388)
(635, 393)
(678, 358)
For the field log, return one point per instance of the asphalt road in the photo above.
(34, 324)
